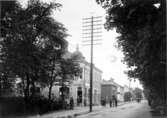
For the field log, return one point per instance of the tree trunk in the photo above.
(32, 90)
(62, 95)
(50, 91)
(26, 91)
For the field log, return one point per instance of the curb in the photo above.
(72, 115)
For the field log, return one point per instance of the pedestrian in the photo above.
(85, 102)
(102, 102)
(71, 103)
(77, 101)
(113, 101)
(116, 101)
(110, 102)
(67, 103)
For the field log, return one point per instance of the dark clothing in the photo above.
(110, 103)
(103, 102)
(71, 103)
(114, 101)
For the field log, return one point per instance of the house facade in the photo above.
(120, 93)
(78, 89)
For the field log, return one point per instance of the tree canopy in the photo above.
(30, 37)
(141, 25)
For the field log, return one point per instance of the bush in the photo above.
(12, 106)
(127, 96)
(16, 106)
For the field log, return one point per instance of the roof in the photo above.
(111, 82)
(88, 64)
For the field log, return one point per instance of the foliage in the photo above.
(61, 70)
(26, 35)
(141, 25)
(33, 48)
(138, 93)
(127, 96)
(15, 106)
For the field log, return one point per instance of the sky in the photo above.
(106, 56)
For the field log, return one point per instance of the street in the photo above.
(130, 110)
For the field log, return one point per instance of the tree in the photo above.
(138, 93)
(127, 96)
(25, 34)
(70, 68)
(7, 8)
(141, 25)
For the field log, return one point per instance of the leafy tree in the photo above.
(127, 96)
(60, 71)
(138, 93)
(141, 25)
(70, 68)
(26, 32)
(7, 8)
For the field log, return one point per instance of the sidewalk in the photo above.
(72, 113)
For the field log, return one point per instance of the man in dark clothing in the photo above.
(113, 101)
(116, 102)
(71, 103)
(110, 102)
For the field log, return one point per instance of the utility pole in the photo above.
(92, 30)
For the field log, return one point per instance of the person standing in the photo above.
(116, 101)
(71, 103)
(113, 101)
(110, 102)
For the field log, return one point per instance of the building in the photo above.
(120, 93)
(108, 89)
(79, 88)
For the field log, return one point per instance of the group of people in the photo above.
(112, 101)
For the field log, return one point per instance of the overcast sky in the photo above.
(106, 56)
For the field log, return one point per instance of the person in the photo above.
(71, 103)
(110, 102)
(85, 103)
(77, 101)
(103, 102)
(113, 101)
(67, 102)
(138, 100)
(116, 101)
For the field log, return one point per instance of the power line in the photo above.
(92, 33)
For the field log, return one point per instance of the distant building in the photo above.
(108, 89)
(120, 92)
